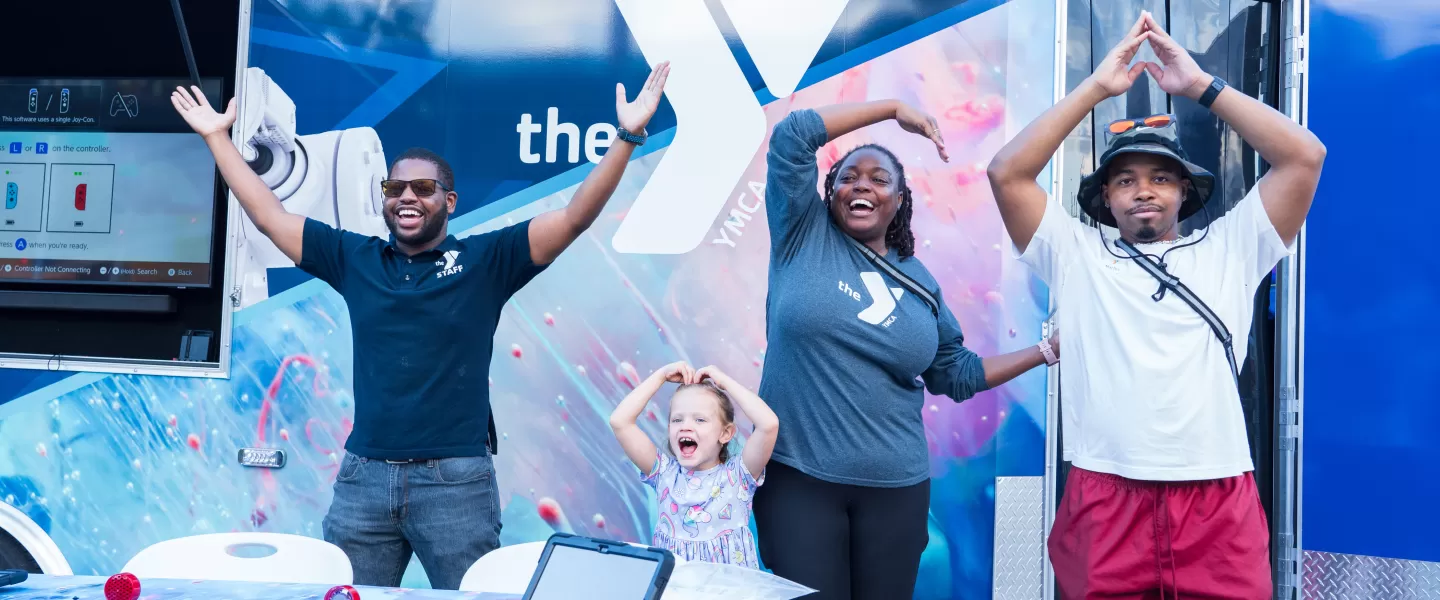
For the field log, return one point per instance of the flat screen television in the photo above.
(115, 230)
(104, 184)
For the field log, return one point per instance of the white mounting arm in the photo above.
(267, 117)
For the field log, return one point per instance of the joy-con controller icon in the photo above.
(34, 100)
(80, 196)
(64, 100)
(12, 195)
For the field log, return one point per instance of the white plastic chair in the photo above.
(505, 570)
(34, 540)
(261, 557)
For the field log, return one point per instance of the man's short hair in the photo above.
(447, 176)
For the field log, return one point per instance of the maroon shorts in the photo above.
(1121, 538)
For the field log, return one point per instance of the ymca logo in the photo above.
(448, 266)
(719, 123)
(883, 299)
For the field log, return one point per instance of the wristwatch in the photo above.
(638, 140)
(1217, 85)
(1048, 352)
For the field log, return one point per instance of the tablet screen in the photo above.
(578, 573)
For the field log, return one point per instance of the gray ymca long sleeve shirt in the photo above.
(847, 347)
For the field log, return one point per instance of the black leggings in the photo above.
(846, 541)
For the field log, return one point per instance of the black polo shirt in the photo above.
(423, 328)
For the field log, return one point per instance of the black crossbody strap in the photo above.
(494, 440)
(894, 273)
(1172, 283)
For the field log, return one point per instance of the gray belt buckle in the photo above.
(400, 462)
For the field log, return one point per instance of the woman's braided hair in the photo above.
(898, 234)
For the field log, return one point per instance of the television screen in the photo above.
(104, 184)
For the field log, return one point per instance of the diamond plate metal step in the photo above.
(1331, 576)
(1019, 538)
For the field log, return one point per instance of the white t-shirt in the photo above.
(1146, 391)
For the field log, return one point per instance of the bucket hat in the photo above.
(1142, 139)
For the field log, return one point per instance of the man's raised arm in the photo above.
(1295, 155)
(552, 232)
(1013, 170)
(286, 230)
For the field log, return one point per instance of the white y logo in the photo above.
(449, 268)
(884, 303)
(719, 123)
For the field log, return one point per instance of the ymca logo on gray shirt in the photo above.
(883, 298)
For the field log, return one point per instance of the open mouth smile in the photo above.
(409, 217)
(687, 446)
(861, 207)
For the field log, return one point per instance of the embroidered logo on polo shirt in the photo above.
(448, 266)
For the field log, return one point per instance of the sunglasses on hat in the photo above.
(394, 188)
(1120, 126)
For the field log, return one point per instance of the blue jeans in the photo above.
(446, 510)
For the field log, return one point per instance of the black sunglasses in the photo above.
(394, 188)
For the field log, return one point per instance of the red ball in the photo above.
(549, 510)
(342, 592)
(122, 586)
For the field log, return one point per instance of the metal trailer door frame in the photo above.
(1289, 329)
(1052, 375)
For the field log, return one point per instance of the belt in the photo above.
(406, 461)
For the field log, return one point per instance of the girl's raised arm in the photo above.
(637, 445)
(767, 426)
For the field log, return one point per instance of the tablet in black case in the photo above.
(573, 567)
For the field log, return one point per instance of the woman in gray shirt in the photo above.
(850, 353)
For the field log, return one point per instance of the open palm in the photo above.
(198, 113)
(634, 115)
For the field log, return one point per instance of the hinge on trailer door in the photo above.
(1293, 57)
(1288, 419)
(235, 297)
(1289, 567)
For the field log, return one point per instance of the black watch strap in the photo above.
(638, 140)
(1217, 85)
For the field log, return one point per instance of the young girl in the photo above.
(704, 492)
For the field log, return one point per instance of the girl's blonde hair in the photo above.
(727, 410)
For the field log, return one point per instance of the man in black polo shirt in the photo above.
(417, 474)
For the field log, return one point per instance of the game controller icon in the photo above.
(12, 195)
(34, 100)
(126, 104)
(80, 196)
(64, 100)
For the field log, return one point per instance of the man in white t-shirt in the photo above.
(1161, 495)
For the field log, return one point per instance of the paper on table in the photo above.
(709, 581)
